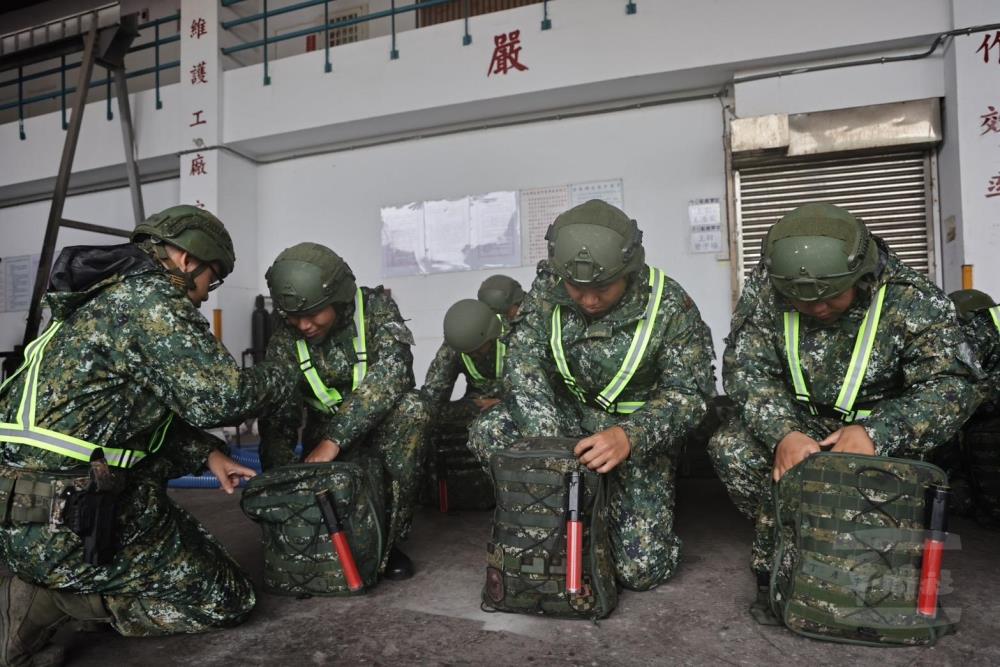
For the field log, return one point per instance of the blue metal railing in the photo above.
(327, 26)
(64, 91)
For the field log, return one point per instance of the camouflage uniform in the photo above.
(444, 370)
(984, 338)
(675, 381)
(133, 350)
(919, 382)
(384, 416)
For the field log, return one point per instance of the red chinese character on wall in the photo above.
(989, 123)
(197, 118)
(199, 73)
(506, 53)
(993, 189)
(198, 165)
(987, 46)
(198, 28)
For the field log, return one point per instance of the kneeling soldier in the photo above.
(357, 379)
(612, 350)
(97, 420)
(837, 344)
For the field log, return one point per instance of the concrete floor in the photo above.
(434, 619)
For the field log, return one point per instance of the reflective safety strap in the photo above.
(633, 357)
(864, 344)
(559, 355)
(470, 367)
(25, 432)
(328, 398)
(500, 354)
(995, 314)
(360, 342)
(640, 341)
(792, 354)
(862, 354)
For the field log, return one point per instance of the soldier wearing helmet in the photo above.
(611, 348)
(124, 376)
(356, 382)
(835, 344)
(503, 294)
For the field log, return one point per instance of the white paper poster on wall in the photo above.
(543, 205)
(474, 232)
(705, 219)
(17, 279)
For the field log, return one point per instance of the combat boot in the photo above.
(30, 615)
(760, 610)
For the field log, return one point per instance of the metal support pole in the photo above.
(467, 38)
(97, 229)
(326, 47)
(20, 104)
(62, 92)
(128, 140)
(156, 55)
(62, 185)
(394, 53)
(107, 75)
(546, 21)
(267, 75)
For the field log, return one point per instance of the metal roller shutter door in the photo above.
(890, 192)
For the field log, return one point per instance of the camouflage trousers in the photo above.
(644, 547)
(744, 464)
(398, 441)
(170, 575)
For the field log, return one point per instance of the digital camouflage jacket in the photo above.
(919, 382)
(675, 378)
(389, 376)
(132, 350)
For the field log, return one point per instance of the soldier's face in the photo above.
(316, 325)
(596, 301)
(827, 311)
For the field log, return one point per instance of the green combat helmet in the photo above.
(469, 324)
(817, 252)
(500, 292)
(308, 276)
(594, 244)
(192, 229)
(970, 301)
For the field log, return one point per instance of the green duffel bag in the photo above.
(850, 533)
(526, 557)
(299, 557)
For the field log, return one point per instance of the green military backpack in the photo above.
(455, 480)
(526, 556)
(299, 557)
(850, 533)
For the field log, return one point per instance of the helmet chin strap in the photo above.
(182, 279)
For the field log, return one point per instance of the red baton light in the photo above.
(339, 540)
(574, 537)
(930, 570)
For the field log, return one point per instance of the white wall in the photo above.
(666, 156)
(22, 229)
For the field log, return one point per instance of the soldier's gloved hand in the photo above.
(792, 450)
(227, 471)
(853, 439)
(324, 452)
(604, 450)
